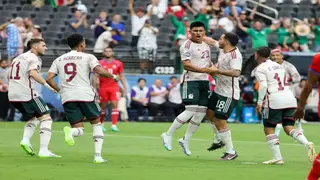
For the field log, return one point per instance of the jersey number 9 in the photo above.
(70, 69)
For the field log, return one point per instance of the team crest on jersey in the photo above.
(38, 67)
(190, 96)
(187, 54)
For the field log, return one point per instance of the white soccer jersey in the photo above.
(292, 74)
(279, 95)
(199, 55)
(73, 69)
(225, 85)
(21, 86)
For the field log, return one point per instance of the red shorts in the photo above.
(109, 94)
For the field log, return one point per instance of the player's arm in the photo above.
(262, 91)
(211, 42)
(235, 64)
(50, 80)
(95, 80)
(34, 74)
(186, 56)
(294, 74)
(102, 72)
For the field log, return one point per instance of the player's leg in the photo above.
(217, 142)
(29, 128)
(104, 99)
(43, 115)
(91, 111)
(288, 124)
(202, 98)
(315, 170)
(279, 127)
(298, 125)
(190, 109)
(114, 99)
(75, 117)
(270, 119)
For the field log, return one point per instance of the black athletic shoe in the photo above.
(229, 157)
(216, 146)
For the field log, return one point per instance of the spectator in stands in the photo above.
(316, 29)
(302, 30)
(215, 7)
(285, 32)
(182, 30)
(13, 37)
(199, 4)
(232, 8)
(295, 47)
(158, 99)
(78, 22)
(105, 40)
(101, 24)
(139, 99)
(259, 35)
(159, 9)
(138, 19)
(118, 26)
(176, 9)
(213, 23)
(4, 101)
(22, 35)
(28, 24)
(34, 33)
(202, 16)
(147, 46)
(174, 96)
(246, 22)
(227, 23)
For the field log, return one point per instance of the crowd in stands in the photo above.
(109, 30)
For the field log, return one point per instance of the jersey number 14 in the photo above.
(280, 86)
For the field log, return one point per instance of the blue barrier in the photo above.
(249, 115)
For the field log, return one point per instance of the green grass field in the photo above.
(136, 153)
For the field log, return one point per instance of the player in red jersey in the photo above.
(109, 90)
(313, 79)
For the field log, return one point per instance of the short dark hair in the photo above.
(33, 41)
(232, 38)
(264, 51)
(197, 24)
(75, 40)
(173, 77)
(142, 79)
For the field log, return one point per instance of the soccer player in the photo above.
(109, 90)
(77, 94)
(313, 79)
(196, 58)
(226, 93)
(280, 105)
(292, 76)
(23, 74)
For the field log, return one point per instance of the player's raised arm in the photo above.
(211, 42)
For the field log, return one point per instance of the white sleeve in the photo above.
(34, 63)
(185, 53)
(262, 78)
(236, 63)
(294, 74)
(93, 62)
(54, 68)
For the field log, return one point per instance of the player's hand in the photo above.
(212, 70)
(298, 114)
(259, 109)
(53, 90)
(116, 78)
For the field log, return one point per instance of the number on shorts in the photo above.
(70, 69)
(17, 70)
(220, 104)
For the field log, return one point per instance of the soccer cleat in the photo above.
(274, 162)
(27, 148)
(48, 154)
(99, 160)
(104, 129)
(114, 129)
(229, 157)
(68, 136)
(311, 151)
(167, 141)
(216, 146)
(185, 146)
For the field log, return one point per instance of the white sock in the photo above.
(181, 119)
(278, 129)
(29, 129)
(98, 139)
(217, 137)
(45, 133)
(274, 145)
(226, 138)
(298, 125)
(77, 131)
(299, 136)
(195, 122)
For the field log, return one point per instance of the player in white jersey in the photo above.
(23, 74)
(281, 105)
(196, 58)
(292, 76)
(226, 93)
(77, 94)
